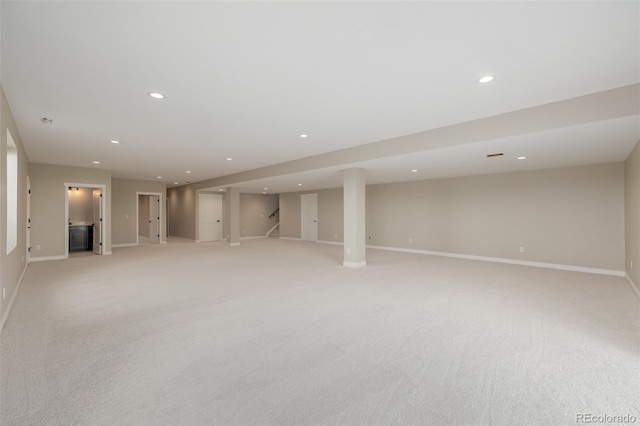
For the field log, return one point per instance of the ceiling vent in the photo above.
(499, 154)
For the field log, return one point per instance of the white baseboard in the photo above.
(5, 316)
(354, 264)
(44, 258)
(337, 243)
(633, 285)
(599, 271)
(161, 242)
(124, 245)
(107, 253)
(234, 244)
(290, 238)
(253, 238)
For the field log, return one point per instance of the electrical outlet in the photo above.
(126, 216)
(410, 240)
(521, 249)
(38, 247)
(348, 251)
(243, 231)
(261, 216)
(335, 235)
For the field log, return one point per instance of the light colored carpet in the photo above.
(277, 332)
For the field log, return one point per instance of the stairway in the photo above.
(276, 232)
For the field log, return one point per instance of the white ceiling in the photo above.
(244, 79)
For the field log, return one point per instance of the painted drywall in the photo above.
(182, 212)
(124, 204)
(620, 102)
(330, 214)
(569, 216)
(80, 205)
(12, 264)
(254, 214)
(632, 215)
(48, 205)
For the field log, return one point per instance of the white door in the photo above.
(154, 219)
(309, 219)
(97, 221)
(209, 217)
(28, 219)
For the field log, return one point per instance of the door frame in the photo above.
(103, 201)
(28, 254)
(160, 215)
(302, 197)
(221, 196)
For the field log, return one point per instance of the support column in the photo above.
(354, 218)
(234, 216)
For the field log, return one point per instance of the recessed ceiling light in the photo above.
(414, 170)
(266, 189)
(175, 183)
(486, 79)
(522, 158)
(159, 177)
(299, 184)
(221, 190)
(263, 192)
(96, 162)
(304, 136)
(156, 95)
(229, 159)
(114, 141)
(188, 171)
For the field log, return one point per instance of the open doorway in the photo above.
(149, 214)
(85, 207)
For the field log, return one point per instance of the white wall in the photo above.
(13, 264)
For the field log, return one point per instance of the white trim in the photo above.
(124, 245)
(611, 272)
(161, 242)
(44, 258)
(272, 229)
(254, 238)
(234, 244)
(160, 202)
(354, 264)
(5, 317)
(108, 253)
(290, 238)
(337, 243)
(196, 241)
(103, 214)
(633, 285)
